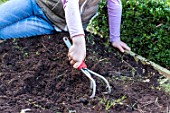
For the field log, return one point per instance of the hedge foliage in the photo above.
(145, 28)
(2, 1)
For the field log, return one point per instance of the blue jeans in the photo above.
(23, 18)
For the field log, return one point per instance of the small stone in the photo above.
(84, 101)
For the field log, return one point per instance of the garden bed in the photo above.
(36, 77)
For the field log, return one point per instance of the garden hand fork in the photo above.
(87, 72)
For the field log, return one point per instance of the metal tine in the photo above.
(92, 81)
(104, 79)
(87, 73)
(91, 85)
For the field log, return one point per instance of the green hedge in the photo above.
(1, 1)
(145, 28)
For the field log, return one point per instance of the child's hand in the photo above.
(77, 51)
(121, 46)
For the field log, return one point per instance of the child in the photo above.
(25, 18)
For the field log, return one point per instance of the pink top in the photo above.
(73, 18)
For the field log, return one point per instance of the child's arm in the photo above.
(77, 52)
(115, 13)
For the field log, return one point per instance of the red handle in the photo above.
(82, 65)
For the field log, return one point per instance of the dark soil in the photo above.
(36, 74)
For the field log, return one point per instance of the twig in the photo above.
(156, 102)
(36, 105)
(25, 110)
(147, 103)
(168, 111)
(140, 110)
(128, 64)
(46, 48)
(59, 76)
(133, 69)
(3, 96)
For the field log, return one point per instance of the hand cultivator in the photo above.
(87, 72)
